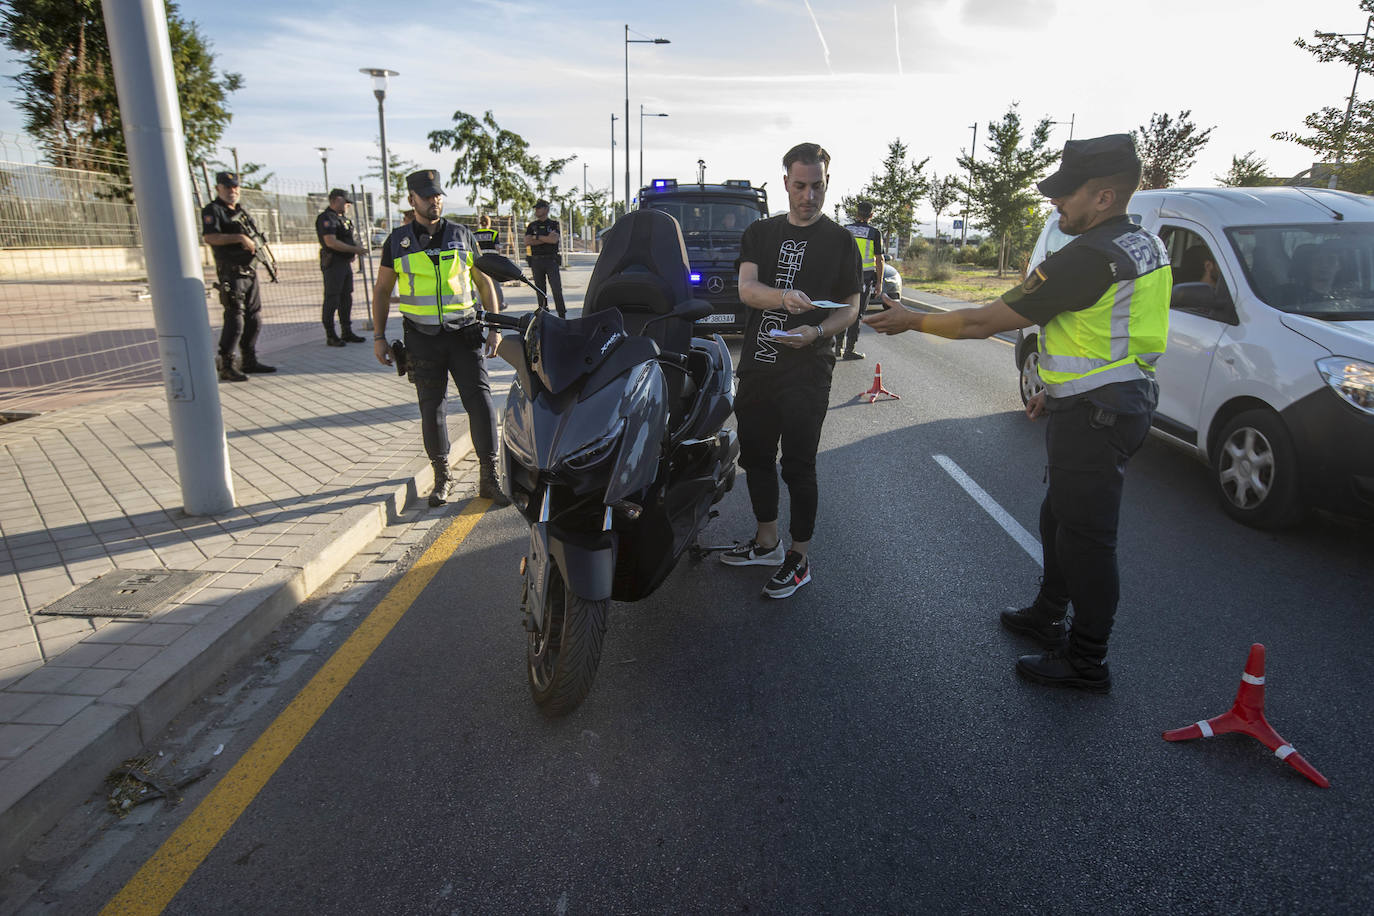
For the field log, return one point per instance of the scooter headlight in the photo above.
(592, 455)
(1352, 379)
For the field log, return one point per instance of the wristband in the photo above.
(381, 337)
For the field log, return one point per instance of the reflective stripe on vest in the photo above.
(1118, 338)
(432, 293)
(868, 252)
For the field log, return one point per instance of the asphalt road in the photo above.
(864, 746)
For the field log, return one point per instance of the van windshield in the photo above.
(1321, 270)
(709, 225)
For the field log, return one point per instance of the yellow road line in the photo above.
(155, 884)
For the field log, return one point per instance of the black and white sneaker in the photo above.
(790, 576)
(751, 554)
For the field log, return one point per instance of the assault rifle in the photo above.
(262, 254)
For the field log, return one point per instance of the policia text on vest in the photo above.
(429, 262)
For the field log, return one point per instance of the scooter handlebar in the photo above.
(508, 322)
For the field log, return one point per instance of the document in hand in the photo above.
(779, 332)
(827, 304)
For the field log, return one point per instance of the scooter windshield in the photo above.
(563, 350)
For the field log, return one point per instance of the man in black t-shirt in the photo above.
(542, 238)
(337, 251)
(1102, 302)
(799, 276)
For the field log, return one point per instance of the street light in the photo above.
(614, 118)
(1068, 122)
(1350, 106)
(972, 154)
(642, 116)
(379, 78)
(324, 161)
(584, 198)
(631, 41)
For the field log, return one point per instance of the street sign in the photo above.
(958, 224)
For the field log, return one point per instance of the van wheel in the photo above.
(1030, 373)
(1255, 468)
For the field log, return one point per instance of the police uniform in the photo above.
(337, 267)
(869, 240)
(237, 283)
(545, 259)
(1102, 302)
(489, 239)
(438, 304)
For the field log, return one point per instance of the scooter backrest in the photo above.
(643, 271)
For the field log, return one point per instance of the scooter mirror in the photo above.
(693, 310)
(498, 267)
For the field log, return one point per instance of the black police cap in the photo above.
(424, 183)
(228, 179)
(541, 202)
(340, 192)
(1085, 159)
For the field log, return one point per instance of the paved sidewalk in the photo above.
(323, 453)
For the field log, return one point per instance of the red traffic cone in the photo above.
(1247, 716)
(878, 388)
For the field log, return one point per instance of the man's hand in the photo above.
(248, 243)
(493, 339)
(806, 335)
(894, 321)
(796, 302)
(1035, 407)
(382, 351)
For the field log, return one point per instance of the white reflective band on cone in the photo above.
(1206, 729)
(1249, 678)
(1283, 752)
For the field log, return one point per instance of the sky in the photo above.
(743, 80)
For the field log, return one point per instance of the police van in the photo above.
(712, 217)
(1268, 376)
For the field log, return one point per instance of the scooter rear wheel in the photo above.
(564, 655)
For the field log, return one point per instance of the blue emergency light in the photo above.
(662, 183)
(695, 278)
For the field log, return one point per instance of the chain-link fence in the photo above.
(76, 318)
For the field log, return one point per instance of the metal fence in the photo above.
(76, 318)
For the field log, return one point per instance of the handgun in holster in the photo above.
(398, 356)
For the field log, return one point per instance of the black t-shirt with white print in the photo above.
(822, 261)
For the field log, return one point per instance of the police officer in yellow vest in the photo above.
(1103, 304)
(430, 263)
(489, 238)
(870, 242)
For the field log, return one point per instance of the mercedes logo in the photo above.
(715, 284)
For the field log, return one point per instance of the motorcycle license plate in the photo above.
(718, 318)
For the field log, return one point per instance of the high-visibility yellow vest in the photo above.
(1121, 336)
(487, 238)
(435, 285)
(868, 252)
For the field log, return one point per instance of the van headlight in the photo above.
(1352, 379)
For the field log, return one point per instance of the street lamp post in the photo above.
(1069, 122)
(614, 118)
(642, 116)
(324, 161)
(631, 41)
(379, 78)
(1350, 105)
(972, 154)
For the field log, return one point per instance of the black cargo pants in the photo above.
(431, 360)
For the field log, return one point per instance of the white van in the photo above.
(1269, 372)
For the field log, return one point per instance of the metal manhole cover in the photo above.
(125, 593)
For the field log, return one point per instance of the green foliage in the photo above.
(894, 192)
(1248, 171)
(943, 194)
(1001, 188)
(67, 89)
(496, 161)
(1168, 148)
(397, 170)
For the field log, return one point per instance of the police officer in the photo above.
(489, 238)
(1103, 304)
(542, 238)
(337, 250)
(430, 261)
(225, 227)
(870, 242)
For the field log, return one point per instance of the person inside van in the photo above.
(1197, 266)
(1312, 274)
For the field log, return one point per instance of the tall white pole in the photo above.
(142, 56)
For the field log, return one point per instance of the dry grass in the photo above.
(969, 283)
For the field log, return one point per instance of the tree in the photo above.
(1248, 171)
(1343, 135)
(1000, 188)
(397, 170)
(1168, 148)
(251, 174)
(943, 194)
(67, 90)
(489, 158)
(894, 191)
(594, 201)
(542, 177)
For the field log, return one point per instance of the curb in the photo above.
(61, 771)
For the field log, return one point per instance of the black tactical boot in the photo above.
(489, 484)
(349, 337)
(1043, 622)
(228, 372)
(443, 483)
(332, 340)
(251, 364)
(1081, 664)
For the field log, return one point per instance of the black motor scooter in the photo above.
(613, 446)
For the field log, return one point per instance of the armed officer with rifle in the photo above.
(237, 244)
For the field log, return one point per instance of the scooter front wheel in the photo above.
(564, 655)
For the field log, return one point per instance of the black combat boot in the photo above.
(228, 372)
(443, 483)
(1043, 622)
(348, 336)
(251, 364)
(1081, 664)
(332, 340)
(489, 484)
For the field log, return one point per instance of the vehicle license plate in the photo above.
(718, 318)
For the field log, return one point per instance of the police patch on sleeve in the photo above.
(1034, 281)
